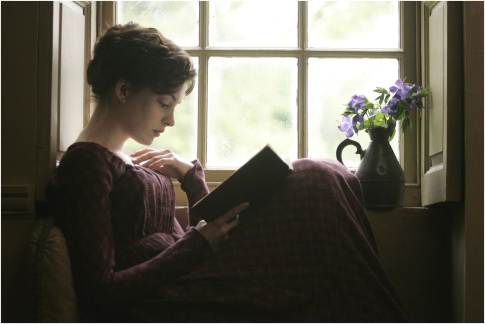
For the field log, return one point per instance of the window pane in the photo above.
(252, 102)
(332, 83)
(177, 20)
(182, 138)
(253, 24)
(353, 24)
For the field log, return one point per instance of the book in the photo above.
(250, 181)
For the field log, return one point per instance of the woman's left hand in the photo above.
(165, 161)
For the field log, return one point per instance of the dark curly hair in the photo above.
(143, 56)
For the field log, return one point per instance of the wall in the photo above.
(20, 25)
(422, 249)
(414, 247)
(474, 212)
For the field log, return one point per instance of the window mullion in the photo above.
(302, 80)
(203, 82)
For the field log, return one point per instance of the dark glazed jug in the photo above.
(379, 171)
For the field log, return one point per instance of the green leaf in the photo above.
(383, 125)
(391, 129)
(391, 136)
(404, 104)
(404, 124)
(379, 116)
(424, 92)
(373, 113)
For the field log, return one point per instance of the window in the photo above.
(280, 76)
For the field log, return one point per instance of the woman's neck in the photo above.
(103, 128)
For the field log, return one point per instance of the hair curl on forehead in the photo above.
(142, 56)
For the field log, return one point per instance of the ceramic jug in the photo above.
(380, 174)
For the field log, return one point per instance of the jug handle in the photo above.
(346, 142)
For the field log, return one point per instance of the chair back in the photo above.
(50, 267)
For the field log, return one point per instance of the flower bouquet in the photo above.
(393, 105)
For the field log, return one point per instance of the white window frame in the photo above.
(407, 56)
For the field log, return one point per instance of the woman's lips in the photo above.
(157, 132)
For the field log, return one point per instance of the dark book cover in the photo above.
(251, 180)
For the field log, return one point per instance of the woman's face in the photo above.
(149, 113)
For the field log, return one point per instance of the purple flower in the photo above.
(417, 102)
(387, 110)
(359, 118)
(400, 89)
(348, 126)
(411, 102)
(357, 102)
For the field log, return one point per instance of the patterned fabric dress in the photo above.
(304, 252)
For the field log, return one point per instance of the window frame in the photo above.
(407, 55)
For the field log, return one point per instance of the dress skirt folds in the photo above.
(303, 252)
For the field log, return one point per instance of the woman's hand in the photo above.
(217, 231)
(165, 161)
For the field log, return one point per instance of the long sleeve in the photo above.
(195, 187)
(81, 193)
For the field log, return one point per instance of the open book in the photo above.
(251, 180)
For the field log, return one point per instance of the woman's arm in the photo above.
(195, 187)
(81, 193)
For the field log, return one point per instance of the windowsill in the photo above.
(412, 195)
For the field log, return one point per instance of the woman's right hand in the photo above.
(217, 231)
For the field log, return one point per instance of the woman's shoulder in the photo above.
(90, 155)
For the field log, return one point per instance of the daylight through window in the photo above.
(273, 72)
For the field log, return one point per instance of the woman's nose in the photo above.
(169, 120)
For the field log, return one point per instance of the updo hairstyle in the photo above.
(143, 56)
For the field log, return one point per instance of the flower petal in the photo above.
(406, 88)
(349, 133)
(399, 83)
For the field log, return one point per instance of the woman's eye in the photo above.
(163, 105)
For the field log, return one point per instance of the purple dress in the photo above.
(304, 252)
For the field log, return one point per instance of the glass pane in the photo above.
(252, 102)
(177, 20)
(253, 24)
(353, 24)
(182, 138)
(332, 83)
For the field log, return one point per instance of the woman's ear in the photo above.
(122, 89)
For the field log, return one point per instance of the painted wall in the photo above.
(422, 249)
(20, 23)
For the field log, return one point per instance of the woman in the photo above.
(303, 252)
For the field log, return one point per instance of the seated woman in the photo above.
(304, 252)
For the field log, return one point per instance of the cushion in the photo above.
(53, 285)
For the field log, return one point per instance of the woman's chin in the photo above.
(144, 141)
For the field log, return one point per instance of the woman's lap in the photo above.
(305, 250)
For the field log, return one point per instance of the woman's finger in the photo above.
(155, 162)
(140, 152)
(152, 154)
(232, 213)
